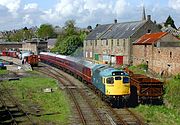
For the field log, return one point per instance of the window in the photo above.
(117, 78)
(112, 42)
(125, 79)
(124, 44)
(110, 80)
(106, 42)
(149, 31)
(95, 42)
(170, 54)
(118, 42)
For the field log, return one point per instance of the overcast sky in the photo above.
(16, 14)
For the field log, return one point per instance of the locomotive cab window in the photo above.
(118, 78)
(110, 80)
(126, 79)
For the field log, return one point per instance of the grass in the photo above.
(158, 115)
(3, 71)
(29, 92)
(140, 69)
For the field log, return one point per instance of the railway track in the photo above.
(11, 112)
(88, 115)
(109, 116)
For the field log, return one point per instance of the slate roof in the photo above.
(51, 42)
(98, 31)
(150, 38)
(115, 31)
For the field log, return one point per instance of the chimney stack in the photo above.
(115, 21)
(148, 17)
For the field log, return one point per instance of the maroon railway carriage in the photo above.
(12, 54)
(81, 69)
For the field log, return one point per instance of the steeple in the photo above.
(144, 14)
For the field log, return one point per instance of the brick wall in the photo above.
(30, 47)
(159, 59)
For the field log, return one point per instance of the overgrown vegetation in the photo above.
(30, 92)
(70, 39)
(140, 69)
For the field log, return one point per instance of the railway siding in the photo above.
(43, 108)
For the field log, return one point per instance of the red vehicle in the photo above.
(4, 53)
(12, 54)
(32, 60)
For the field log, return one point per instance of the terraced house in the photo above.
(112, 43)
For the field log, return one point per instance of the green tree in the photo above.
(27, 34)
(170, 21)
(70, 44)
(17, 37)
(45, 31)
(70, 39)
(70, 28)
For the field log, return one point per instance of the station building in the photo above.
(34, 45)
(10, 45)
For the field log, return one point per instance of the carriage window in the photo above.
(110, 80)
(125, 79)
(117, 78)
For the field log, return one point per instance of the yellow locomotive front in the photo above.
(117, 88)
(117, 85)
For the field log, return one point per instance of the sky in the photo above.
(16, 14)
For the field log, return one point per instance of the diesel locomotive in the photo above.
(112, 84)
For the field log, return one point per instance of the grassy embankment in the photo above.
(167, 114)
(2, 71)
(29, 92)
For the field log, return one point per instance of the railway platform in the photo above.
(18, 64)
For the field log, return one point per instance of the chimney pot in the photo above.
(148, 17)
(115, 21)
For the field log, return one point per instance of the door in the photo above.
(119, 60)
(96, 56)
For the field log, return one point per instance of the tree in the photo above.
(70, 28)
(70, 44)
(70, 39)
(45, 31)
(170, 21)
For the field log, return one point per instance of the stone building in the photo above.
(34, 45)
(10, 45)
(51, 43)
(112, 43)
(160, 51)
